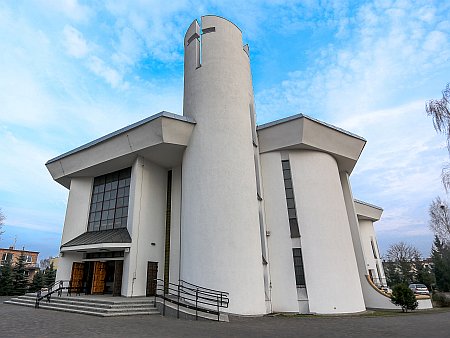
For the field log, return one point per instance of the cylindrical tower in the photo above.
(220, 237)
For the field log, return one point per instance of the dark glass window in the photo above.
(109, 203)
(290, 201)
(104, 254)
(298, 267)
(7, 256)
(373, 249)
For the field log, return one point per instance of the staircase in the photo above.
(102, 306)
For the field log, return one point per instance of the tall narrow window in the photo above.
(290, 201)
(168, 220)
(374, 250)
(298, 267)
(109, 203)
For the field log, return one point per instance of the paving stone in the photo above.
(20, 321)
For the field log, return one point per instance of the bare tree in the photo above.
(2, 222)
(439, 221)
(45, 263)
(400, 263)
(439, 110)
(402, 252)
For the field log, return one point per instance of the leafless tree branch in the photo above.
(439, 110)
(439, 221)
(2, 221)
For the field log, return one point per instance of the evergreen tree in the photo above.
(441, 260)
(20, 281)
(49, 276)
(425, 275)
(392, 273)
(404, 297)
(6, 279)
(38, 282)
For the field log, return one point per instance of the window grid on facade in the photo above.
(298, 267)
(7, 256)
(109, 203)
(290, 201)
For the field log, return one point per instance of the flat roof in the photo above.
(299, 116)
(17, 250)
(368, 204)
(122, 130)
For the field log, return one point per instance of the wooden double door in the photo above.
(98, 277)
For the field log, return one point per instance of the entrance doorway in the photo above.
(98, 277)
(152, 274)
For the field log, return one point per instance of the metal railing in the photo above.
(191, 296)
(57, 288)
(379, 282)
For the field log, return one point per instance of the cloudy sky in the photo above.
(72, 71)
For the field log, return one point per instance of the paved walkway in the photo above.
(18, 321)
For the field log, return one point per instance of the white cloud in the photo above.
(110, 75)
(74, 42)
(69, 8)
(392, 50)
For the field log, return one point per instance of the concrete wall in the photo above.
(75, 222)
(368, 235)
(281, 264)
(77, 212)
(331, 272)
(64, 271)
(146, 224)
(221, 246)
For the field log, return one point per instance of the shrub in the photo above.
(441, 300)
(403, 296)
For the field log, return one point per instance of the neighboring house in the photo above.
(31, 257)
(265, 212)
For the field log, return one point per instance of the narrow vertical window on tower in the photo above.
(290, 201)
(298, 267)
(373, 249)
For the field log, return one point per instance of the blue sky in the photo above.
(72, 71)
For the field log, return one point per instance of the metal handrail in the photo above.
(56, 287)
(190, 296)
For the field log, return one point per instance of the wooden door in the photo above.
(76, 279)
(117, 286)
(152, 274)
(98, 282)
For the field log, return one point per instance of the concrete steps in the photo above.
(95, 306)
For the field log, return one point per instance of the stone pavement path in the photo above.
(18, 321)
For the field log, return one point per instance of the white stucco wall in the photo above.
(284, 290)
(77, 212)
(331, 273)
(146, 224)
(368, 235)
(75, 222)
(64, 271)
(221, 246)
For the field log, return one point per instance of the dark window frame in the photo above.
(109, 201)
(290, 199)
(299, 267)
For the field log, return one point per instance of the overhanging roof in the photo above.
(367, 211)
(307, 133)
(114, 238)
(161, 138)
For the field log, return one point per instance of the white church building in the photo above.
(265, 213)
